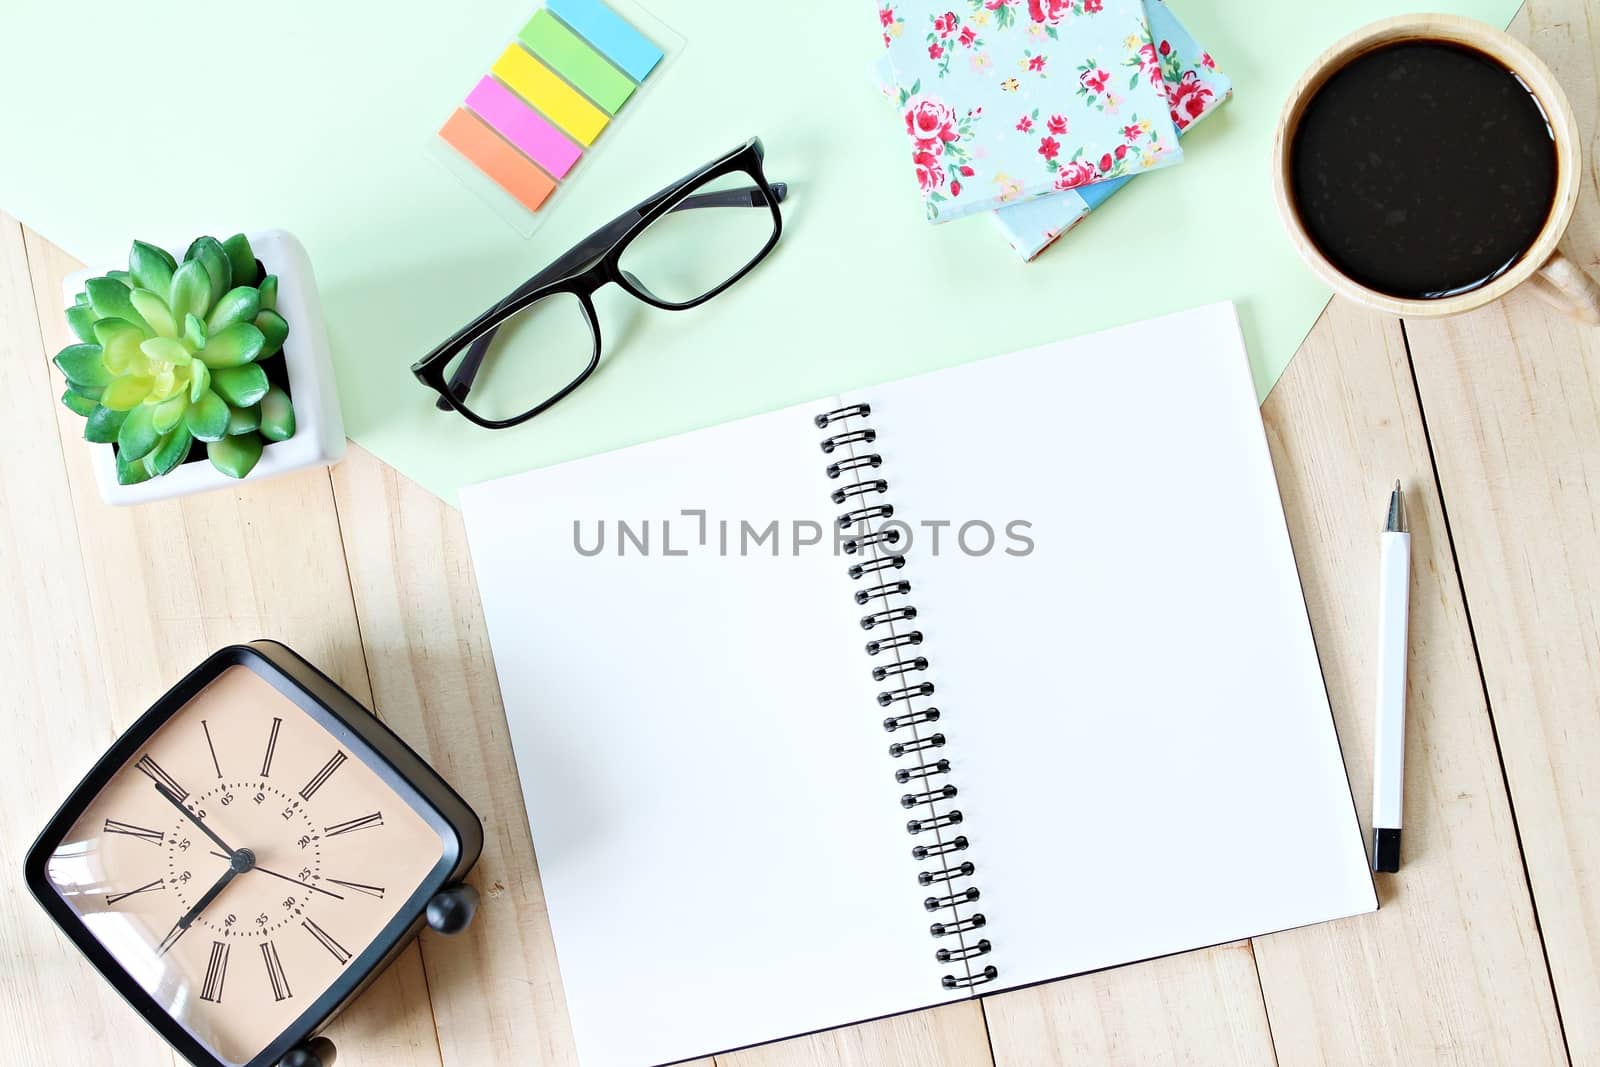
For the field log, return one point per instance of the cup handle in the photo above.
(1568, 287)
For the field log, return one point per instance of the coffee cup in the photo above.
(1427, 165)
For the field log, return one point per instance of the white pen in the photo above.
(1388, 761)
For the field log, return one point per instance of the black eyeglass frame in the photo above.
(593, 263)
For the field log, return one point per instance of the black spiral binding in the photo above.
(923, 768)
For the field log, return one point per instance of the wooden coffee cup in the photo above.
(1554, 276)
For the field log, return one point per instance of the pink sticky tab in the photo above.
(524, 127)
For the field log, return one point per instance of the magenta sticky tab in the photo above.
(528, 131)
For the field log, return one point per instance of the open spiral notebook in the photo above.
(777, 786)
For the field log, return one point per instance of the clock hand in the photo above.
(241, 861)
(292, 881)
(172, 798)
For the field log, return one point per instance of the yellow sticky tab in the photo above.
(544, 90)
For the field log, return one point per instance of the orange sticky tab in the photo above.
(505, 166)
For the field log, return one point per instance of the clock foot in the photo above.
(318, 1052)
(452, 908)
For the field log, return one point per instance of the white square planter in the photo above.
(318, 439)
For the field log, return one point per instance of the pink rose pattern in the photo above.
(1007, 51)
(938, 155)
(1188, 96)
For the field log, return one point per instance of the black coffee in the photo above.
(1423, 170)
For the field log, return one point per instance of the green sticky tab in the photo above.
(571, 57)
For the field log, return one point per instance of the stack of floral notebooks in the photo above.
(1037, 110)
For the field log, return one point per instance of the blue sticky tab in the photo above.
(611, 34)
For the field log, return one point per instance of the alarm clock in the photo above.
(250, 854)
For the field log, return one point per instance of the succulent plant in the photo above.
(170, 354)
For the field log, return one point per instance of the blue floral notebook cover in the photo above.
(1007, 100)
(1194, 86)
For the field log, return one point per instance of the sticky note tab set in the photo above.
(550, 95)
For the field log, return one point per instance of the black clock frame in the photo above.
(368, 739)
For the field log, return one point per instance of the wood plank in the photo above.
(1450, 969)
(496, 988)
(170, 582)
(54, 701)
(951, 1036)
(1195, 1008)
(1512, 397)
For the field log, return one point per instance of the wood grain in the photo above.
(53, 1006)
(951, 1036)
(1512, 397)
(1450, 968)
(170, 582)
(496, 989)
(1197, 1008)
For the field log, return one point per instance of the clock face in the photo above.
(239, 862)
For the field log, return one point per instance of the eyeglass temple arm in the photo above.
(589, 248)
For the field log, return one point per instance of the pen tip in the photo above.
(1397, 485)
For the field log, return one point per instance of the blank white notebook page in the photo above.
(1135, 714)
(712, 807)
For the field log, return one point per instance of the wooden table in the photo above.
(1487, 947)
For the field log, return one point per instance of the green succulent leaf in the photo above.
(240, 304)
(209, 251)
(110, 299)
(166, 350)
(122, 277)
(235, 346)
(83, 365)
(242, 258)
(277, 415)
(194, 333)
(79, 405)
(191, 290)
(169, 451)
(121, 340)
(199, 381)
(269, 292)
(81, 300)
(244, 420)
(169, 412)
(138, 435)
(103, 425)
(235, 456)
(240, 386)
(274, 329)
(93, 392)
(127, 392)
(131, 472)
(80, 318)
(155, 312)
(207, 418)
(151, 267)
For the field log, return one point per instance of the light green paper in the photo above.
(345, 100)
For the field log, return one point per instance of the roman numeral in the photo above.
(326, 941)
(375, 819)
(211, 747)
(216, 971)
(161, 777)
(275, 975)
(113, 898)
(322, 776)
(154, 837)
(272, 743)
(369, 890)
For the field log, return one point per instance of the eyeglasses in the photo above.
(675, 250)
